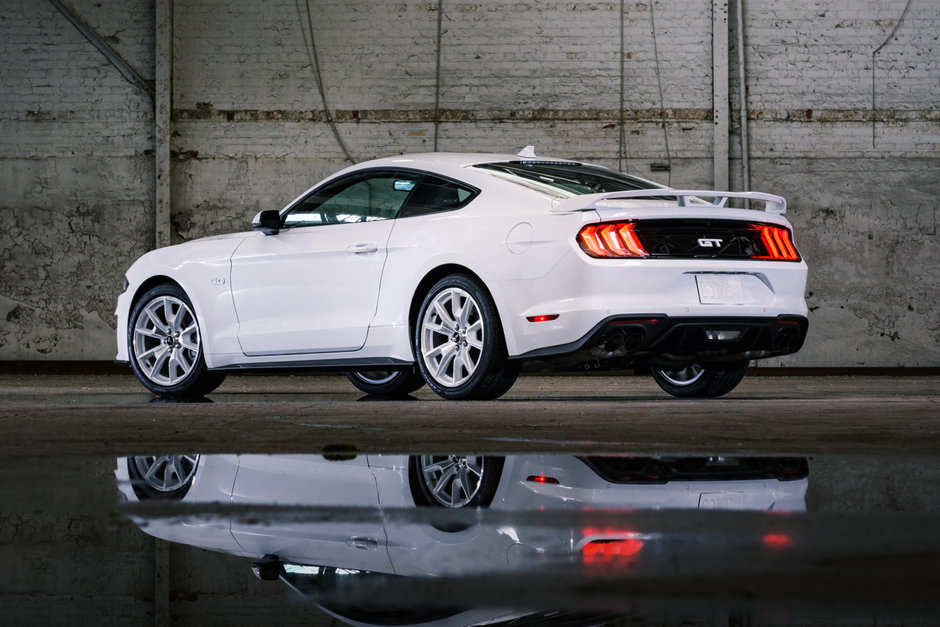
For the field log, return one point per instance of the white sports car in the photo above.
(455, 269)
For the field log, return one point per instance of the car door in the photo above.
(317, 533)
(313, 286)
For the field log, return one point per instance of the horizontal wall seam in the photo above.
(548, 115)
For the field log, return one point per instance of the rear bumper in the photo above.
(665, 340)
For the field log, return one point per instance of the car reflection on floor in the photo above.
(336, 530)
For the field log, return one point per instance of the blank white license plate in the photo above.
(722, 500)
(719, 289)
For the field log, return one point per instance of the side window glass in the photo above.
(362, 197)
(435, 194)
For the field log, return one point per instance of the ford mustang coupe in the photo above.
(453, 270)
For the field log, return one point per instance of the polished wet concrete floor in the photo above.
(664, 511)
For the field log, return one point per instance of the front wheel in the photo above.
(698, 381)
(164, 477)
(459, 344)
(165, 345)
(397, 383)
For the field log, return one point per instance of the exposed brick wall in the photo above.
(249, 133)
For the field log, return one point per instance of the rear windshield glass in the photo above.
(565, 180)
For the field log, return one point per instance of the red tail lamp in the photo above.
(611, 239)
(610, 551)
(619, 547)
(777, 243)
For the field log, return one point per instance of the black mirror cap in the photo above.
(268, 222)
(268, 568)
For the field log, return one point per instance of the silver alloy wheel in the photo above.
(684, 376)
(166, 340)
(452, 480)
(452, 337)
(166, 473)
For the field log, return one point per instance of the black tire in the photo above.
(454, 481)
(397, 383)
(165, 347)
(162, 477)
(462, 353)
(697, 381)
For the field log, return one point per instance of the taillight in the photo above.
(777, 243)
(614, 547)
(686, 239)
(611, 239)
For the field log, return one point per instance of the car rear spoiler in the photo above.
(684, 198)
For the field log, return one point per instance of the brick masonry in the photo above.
(858, 165)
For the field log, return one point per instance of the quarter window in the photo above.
(435, 194)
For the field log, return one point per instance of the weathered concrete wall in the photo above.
(76, 176)
(858, 164)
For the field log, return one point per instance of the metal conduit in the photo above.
(742, 98)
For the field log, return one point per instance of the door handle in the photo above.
(362, 249)
(359, 542)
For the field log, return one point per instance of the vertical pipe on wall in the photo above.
(622, 141)
(720, 90)
(437, 73)
(742, 95)
(163, 61)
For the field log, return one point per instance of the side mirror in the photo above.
(268, 222)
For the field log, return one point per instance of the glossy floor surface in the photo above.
(306, 414)
(302, 465)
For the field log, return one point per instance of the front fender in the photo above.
(202, 268)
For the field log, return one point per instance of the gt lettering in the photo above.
(709, 242)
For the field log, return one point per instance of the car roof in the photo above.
(447, 162)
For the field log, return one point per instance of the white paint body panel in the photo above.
(302, 297)
(380, 538)
(310, 290)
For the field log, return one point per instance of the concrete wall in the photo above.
(858, 165)
(76, 176)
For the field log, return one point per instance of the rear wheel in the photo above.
(164, 342)
(455, 481)
(698, 381)
(459, 343)
(389, 382)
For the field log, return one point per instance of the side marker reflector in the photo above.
(542, 479)
(542, 318)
